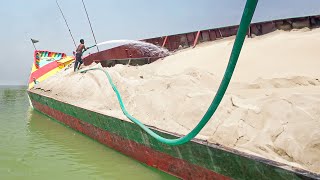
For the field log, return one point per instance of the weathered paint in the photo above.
(164, 42)
(196, 39)
(145, 154)
(42, 69)
(194, 160)
(185, 40)
(121, 52)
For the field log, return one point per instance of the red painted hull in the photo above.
(191, 39)
(159, 160)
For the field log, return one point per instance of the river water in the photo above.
(33, 146)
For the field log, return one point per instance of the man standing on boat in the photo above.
(80, 49)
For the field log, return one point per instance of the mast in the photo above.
(66, 24)
(94, 37)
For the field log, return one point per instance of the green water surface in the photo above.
(33, 146)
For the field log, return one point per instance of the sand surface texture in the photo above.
(271, 108)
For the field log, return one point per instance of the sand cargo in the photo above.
(256, 94)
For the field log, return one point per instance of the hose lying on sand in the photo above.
(242, 31)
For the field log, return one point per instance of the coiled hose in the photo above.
(241, 34)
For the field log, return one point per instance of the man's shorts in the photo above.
(79, 57)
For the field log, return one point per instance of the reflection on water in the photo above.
(10, 93)
(33, 146)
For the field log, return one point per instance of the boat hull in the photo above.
(197, 159)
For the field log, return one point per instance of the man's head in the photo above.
(81, 41)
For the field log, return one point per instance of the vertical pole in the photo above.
(310, 23)
(249, 32)
(220, 33)
(187, 40)
(165, 40)
(210, 39)
(196, 40)
(34, 46)
(94, 37)
(66, 24)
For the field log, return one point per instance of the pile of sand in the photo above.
(271, 109)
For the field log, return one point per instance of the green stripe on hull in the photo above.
(219, 159)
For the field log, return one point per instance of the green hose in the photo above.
(244, 25)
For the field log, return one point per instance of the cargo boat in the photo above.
(197, 159)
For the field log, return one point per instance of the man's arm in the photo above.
(84, 48)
